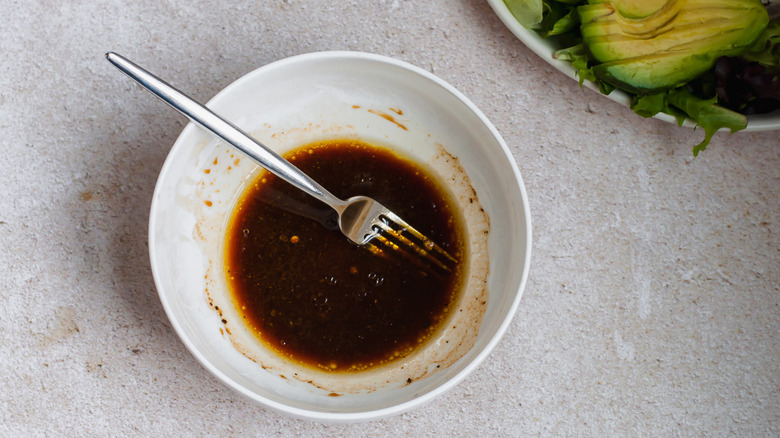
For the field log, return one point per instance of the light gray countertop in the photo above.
(653, 302)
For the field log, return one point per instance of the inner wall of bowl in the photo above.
(321, 99)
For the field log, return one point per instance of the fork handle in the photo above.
(210, 121)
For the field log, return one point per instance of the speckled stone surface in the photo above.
(653, 302)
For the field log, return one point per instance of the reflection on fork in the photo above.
(396, 235)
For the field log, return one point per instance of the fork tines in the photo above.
(400, 237)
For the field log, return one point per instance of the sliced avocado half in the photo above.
(648, 45)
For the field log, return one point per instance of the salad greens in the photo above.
(527, 12)
(741, 74)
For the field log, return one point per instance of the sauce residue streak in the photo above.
(311, 295)
(388, 117)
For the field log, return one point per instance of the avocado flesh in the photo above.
(671, 45)
(643, 76)
(639, 8)
(678, 38)
(597, 14)
(692, 18)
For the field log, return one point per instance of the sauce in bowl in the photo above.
(311, 295)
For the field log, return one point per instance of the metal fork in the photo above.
(363, 220)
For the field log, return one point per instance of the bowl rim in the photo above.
(312, 414)
(544, 49)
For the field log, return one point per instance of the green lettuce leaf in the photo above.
(527, 12)
(555, 12)
(566, 24)
(766, 49)
(680, 103)
(651, 104)
(579, 57)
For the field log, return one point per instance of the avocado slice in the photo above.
(645, 46)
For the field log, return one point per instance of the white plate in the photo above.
(292, 102)
(545, 49)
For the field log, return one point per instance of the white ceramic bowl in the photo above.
(545, 49)
(292, 102)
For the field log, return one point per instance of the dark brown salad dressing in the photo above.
(320, 300)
